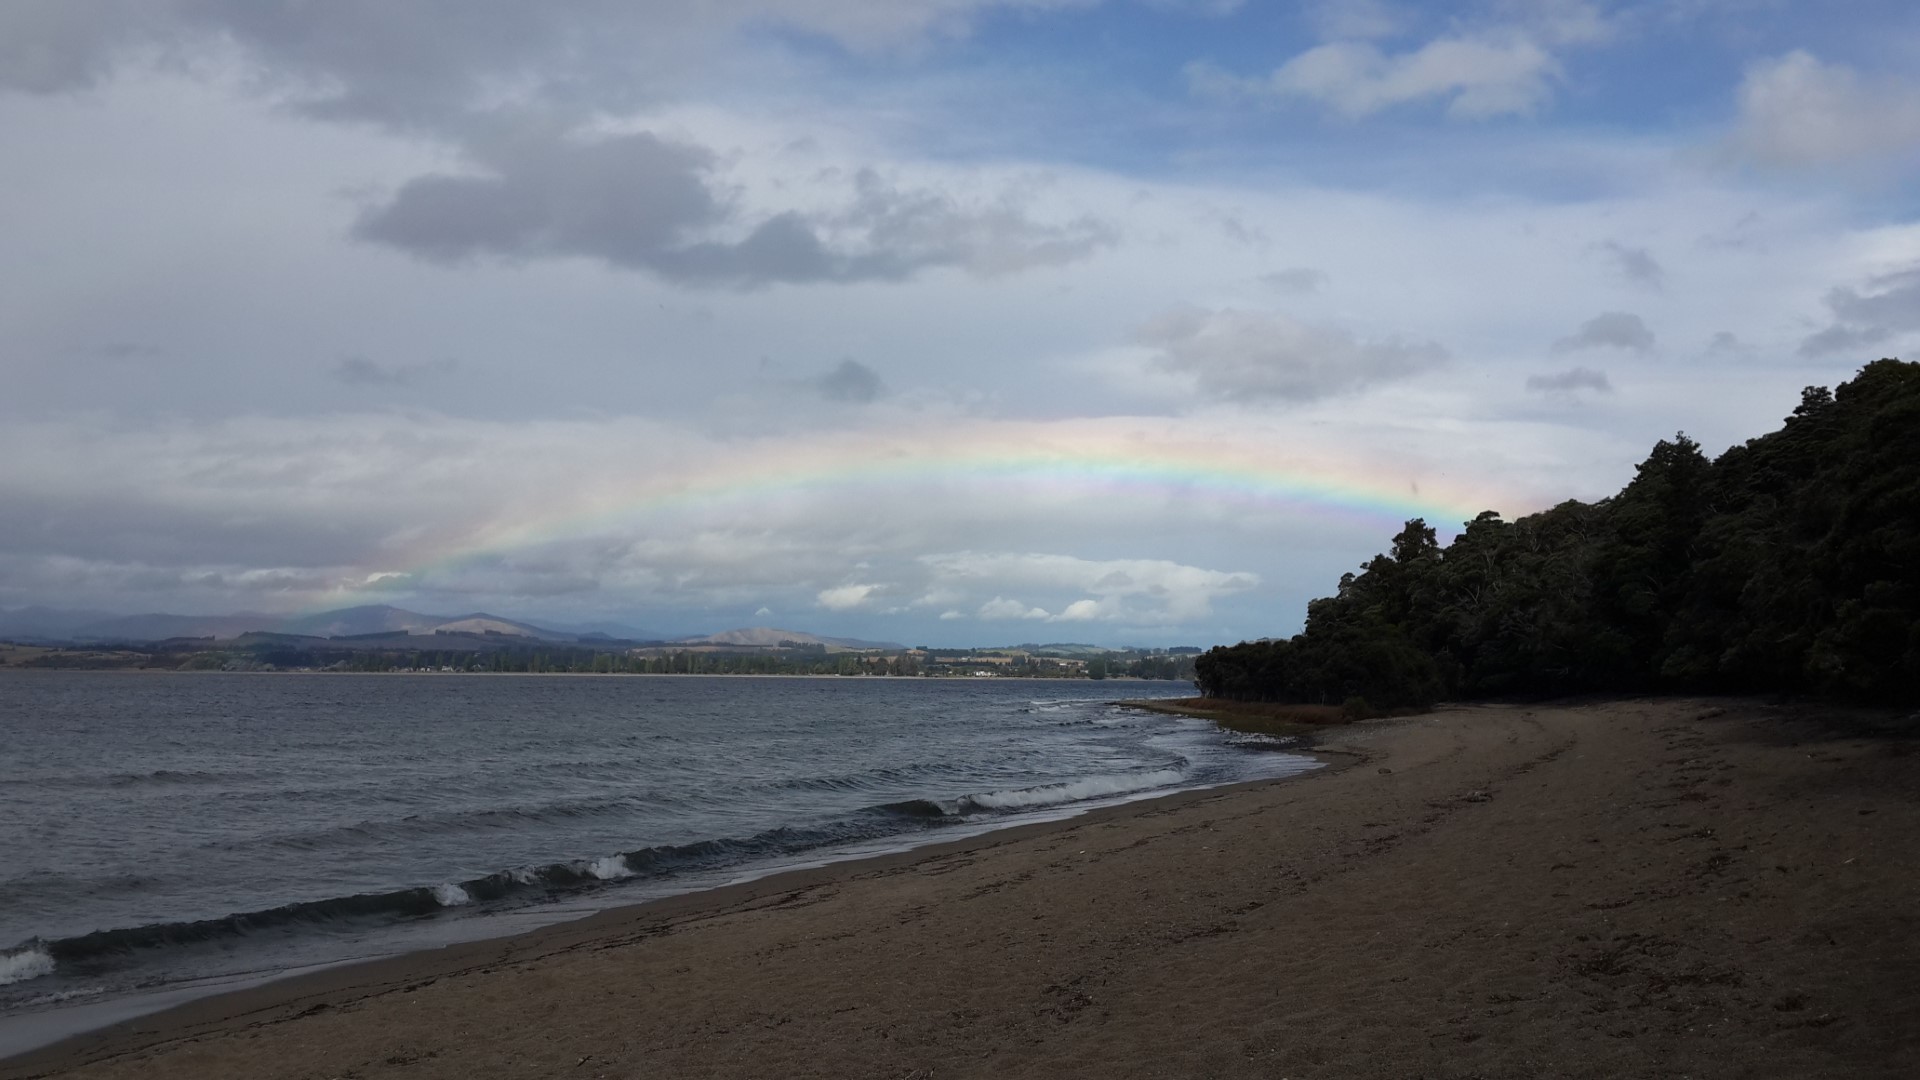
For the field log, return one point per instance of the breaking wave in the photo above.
(29, 962)
(104, 949)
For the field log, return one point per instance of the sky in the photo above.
(930, 321)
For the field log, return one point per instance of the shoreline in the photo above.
(351, 979)
(1631, 888)
(136, 1009)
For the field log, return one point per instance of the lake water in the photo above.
(165, 832)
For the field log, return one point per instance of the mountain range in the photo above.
(55, 624)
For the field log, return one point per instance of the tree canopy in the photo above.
(1789, 563)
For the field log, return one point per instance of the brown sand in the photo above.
(1638, 889)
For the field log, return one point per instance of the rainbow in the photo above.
(1038, 463)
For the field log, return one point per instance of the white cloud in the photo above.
(1798, 111)
(1141, 591)
(847, 597)
(1262, 355)
(1351, 20)
(1476, 78)
(1001, 608)
(1088, 611)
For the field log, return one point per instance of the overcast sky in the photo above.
(951, 321)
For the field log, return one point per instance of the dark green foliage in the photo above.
(1791, 563)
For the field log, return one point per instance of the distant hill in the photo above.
(370, 620)
(768, 637)
(382, 619)
(345, 622)
(1063, 648)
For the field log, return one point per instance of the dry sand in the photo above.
(1629, 889)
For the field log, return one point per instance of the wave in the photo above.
(1039, 796)
(148, 778)
(29, 962)
(101, 950)
(465, 820)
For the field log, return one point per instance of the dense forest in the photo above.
(1790, 563)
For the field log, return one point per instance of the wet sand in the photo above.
(1623, 889)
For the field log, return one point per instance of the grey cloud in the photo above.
(1725, 341)
(360, 371)
(643, 203)
(1636, 264)
(1891, 305)
(438, 67)
(425, 62)
(1896, 303)
(1236, 354)
(629, 200)
(1571, 381)
(852, 381)
(926, 228)
(1296, 279)
(1609, 329)
(1842, 339)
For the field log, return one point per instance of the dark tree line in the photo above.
(1790, 563)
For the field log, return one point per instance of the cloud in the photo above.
(431, 57)
(1001, 608)
(848, 597)
(852, 381)
(1258, 355)
(1797, 112)
(1359, 20)
(1570, 381)
(641, 202)
(1636, 264)
(1139, 591)
(1609, 329)
(359, 371)
(513, 88)
(1889, 306)
(1296, 279)
(1476, 78)
(1842, 339)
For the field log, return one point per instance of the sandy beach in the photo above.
(1625, 889)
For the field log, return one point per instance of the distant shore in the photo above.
(1131, 680)
(1627, 889)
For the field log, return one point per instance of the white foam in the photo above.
(611, 868)
(23, 965)
(451, 895)
(1091, 787)
(525, 875)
